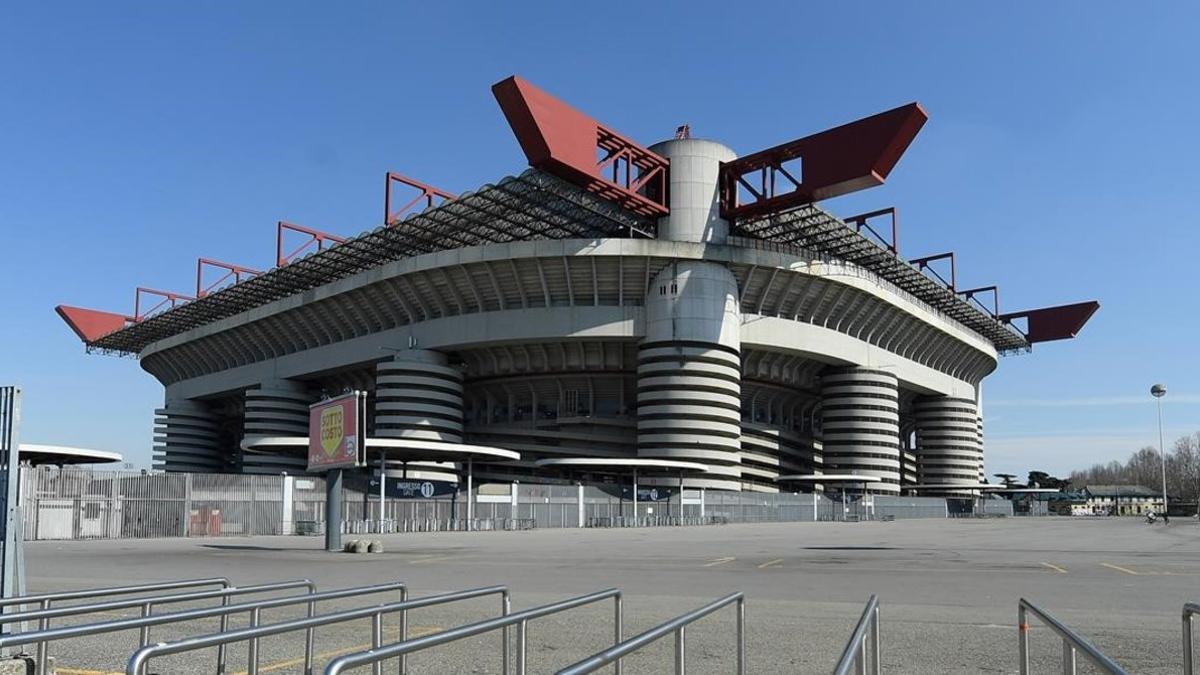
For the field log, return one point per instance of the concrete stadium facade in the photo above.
(756, 362)
(539, 316)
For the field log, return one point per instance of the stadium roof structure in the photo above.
(569, 194)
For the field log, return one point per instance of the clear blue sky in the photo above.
(1060, 161)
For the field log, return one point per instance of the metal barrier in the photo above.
(397, 526)
(44, 599)
(856, 655)
(1189, 609)
(146, 604)
(377, 655)
(677, 625)
(1072, 642)
(253, 608)
(141, 658)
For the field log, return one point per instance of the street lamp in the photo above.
(1158, 391)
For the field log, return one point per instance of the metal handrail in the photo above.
(253, 608)
(856, 655)
(1189, 609)
(139, 660)
(146, 604)
(616, 652)
(377, 655)
(113, 590)
(73, 610)
(1072, 642)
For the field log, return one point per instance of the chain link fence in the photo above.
(77, 503)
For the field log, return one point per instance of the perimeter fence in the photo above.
(80, 503)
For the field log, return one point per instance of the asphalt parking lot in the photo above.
(949, 591)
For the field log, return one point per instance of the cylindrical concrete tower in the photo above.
(185, 432)
(419, 396)
(948, 451)
(276, 408)
(694, 200)
(689, 363)
(860, 425)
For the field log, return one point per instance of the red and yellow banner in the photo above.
(335, 433)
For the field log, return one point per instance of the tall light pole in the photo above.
(1158, 391)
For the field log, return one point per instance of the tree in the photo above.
(1041, 479)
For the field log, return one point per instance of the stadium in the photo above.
(672, 309)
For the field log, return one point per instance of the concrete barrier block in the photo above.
(360, 546)
(350, 546)
(375, 547)
(22, 665)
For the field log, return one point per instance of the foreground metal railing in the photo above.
(856, 654)
(44, 599)
(1072, 642)
(146, 605)
(254, 609)
(677, 626)
(1189, 609)
(377, 655)
(139, 661)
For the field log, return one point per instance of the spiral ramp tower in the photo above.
(187, 437)
(419, 396)
(948, 449)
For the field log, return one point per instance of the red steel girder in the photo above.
(924, 265)
(426, 193)
(563, 141)
(834, 162)
(313, 236)
(1054, 323)
(237, 272)
(970, 294)
(165, 297)
(862, 222)
(92, 324)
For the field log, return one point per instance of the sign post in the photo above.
(337, 440)
(12, 558)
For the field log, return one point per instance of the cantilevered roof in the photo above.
(816, 230)
(38, 454)
(534, 205)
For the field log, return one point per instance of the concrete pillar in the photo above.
(418, 395)
(186, 438)
(948, 449)
(860, 425)
(581, 505)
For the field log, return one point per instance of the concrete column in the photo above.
(860, 425)
(581, 506)
(286, 526)
(186, 438)
(948, 449)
